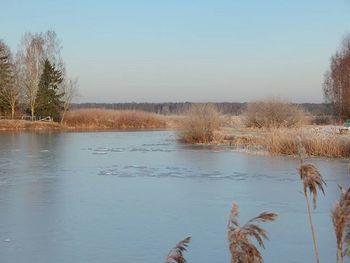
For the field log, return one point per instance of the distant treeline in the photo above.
(233, 108)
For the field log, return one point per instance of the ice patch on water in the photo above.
(156, 144)
(99, 153)
(5, 161)
(103, 150)
(169, 172)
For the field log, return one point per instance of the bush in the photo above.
(273, 114)
(323, 120)
(200, 125)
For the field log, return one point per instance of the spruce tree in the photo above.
(48, 98)
(6, 76)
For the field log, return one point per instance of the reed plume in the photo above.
(341, 224)
(312, 181)
(240, 244)
(176, 254)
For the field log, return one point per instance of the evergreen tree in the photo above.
(6, 76)
(48, 98)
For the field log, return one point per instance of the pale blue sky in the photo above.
(187, 50)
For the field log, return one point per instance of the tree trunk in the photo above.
(13, 111)
(63, 114)
(312, 228)
(32, 111)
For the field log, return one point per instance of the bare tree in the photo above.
(69, 89)
(9, 86)
(336, 85)
(34, 49)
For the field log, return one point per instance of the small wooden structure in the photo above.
(37, 118)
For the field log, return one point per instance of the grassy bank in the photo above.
(22, 125)
(273, 126)
(97, 119)
(321, 141)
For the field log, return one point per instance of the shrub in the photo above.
(323, 120)
(200, 125)
(273, 113)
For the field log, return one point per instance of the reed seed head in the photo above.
(312, 180)
(176, 254)
(240, 238)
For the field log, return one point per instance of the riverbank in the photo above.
(24, 125)
(97, 119)
(320, 141)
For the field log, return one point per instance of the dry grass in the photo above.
(201, 124)
(111, 119)
(341, 224)
(240, 237)
(283, 141)
(242, 141)
(18, 125)
(322, 141)
(273, 113)
(176, 254)
(312, 182)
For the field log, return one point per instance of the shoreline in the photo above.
(320, 141)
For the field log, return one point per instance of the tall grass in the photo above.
(312, 182)
(200, 124)
(111, 119)
(283, 141)
(273, 113)
(341, 224)
(17, 125)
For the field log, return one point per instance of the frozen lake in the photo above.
(129, 197)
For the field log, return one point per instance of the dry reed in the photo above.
(176, 254)
(201, 123)
(112, 119)
(17, 125)
(283, 141)
(341, 224)
(312, 181)
(240, 237)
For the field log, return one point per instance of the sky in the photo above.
(188, 50)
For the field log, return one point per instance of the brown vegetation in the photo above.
(19, 125)
(111, 119)
(273, 113)
(283, 141)
(201, 124)
(240, 244)
(312, 182)
(341, 224)
(176, 254)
